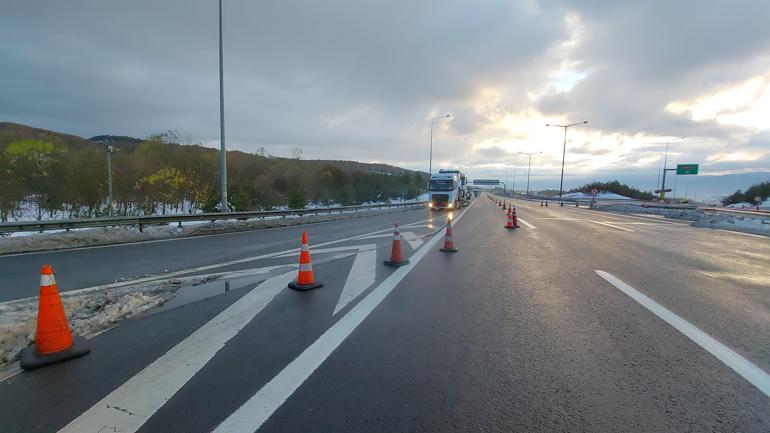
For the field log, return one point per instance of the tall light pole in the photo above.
(430, 159)
(222, 152)
(563, 154)
(665, 169)
(529, 165)
(110, 149)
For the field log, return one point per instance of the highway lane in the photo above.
(516, 332)
(92, 266)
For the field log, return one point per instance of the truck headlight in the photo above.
(450, 205)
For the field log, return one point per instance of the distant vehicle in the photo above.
(476, 192)
(448, 189)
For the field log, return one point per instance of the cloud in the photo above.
(361, 80)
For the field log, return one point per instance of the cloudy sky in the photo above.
(362, 79)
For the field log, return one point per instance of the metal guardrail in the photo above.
(760, 213)
(141, 221)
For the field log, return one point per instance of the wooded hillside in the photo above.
(60, 175)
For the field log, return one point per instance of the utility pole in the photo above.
(222, 151)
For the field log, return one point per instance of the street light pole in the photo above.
(430, 159)
(110, 149)
(666, 169)
(529, 166)
(222, 152)
(563, 155)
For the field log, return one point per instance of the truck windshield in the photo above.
(441, 185)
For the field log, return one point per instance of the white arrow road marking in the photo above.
(755, 375)
(260, 406)
(129, 406)
(414, 241)
(360, 278)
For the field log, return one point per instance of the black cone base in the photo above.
(449, 250)
(396, 264)
(30, 359)
(302, 287)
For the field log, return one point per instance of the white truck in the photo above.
(448, 189)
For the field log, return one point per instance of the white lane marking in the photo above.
(196, 269)
(252, 414)
(129, 406)
(383, 235)
(332, 250)
(744, 234)
(360, 278)
(414, 241)
(609, 225)
(755, 375)
(526, 223)
(559, 218)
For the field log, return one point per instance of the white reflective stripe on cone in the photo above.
(397, 237)
(305, 267)
(305, 247)
(47, 280)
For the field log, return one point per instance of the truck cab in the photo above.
(448, 189)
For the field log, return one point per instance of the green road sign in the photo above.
(687, 169)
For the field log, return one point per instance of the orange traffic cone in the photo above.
(449, 242)
(509, 224)
(396, 255)
(541, 203)
(513, 215)
(305, 279)
(53, 340)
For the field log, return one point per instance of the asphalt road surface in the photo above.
(577, 321)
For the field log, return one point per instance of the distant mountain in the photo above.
(10, 132)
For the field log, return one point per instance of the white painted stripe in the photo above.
(361, 277)
(526, 223)
(609, 225)
(744, 234)
(755, 375)
(129, 406)
(260, 406)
